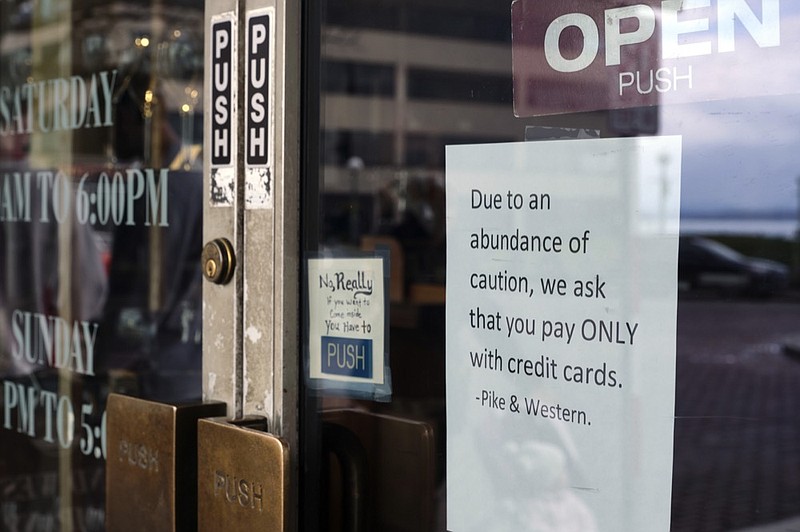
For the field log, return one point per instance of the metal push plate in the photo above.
(242, 478)
(151, 472)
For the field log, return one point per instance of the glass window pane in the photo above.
(100, 234)
(381, 182)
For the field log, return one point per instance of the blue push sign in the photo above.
(351, 357)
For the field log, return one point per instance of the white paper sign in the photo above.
(346, 319)
(561, 331)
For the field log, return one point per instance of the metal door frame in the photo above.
(251, 326)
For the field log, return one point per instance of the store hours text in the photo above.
(122, 197)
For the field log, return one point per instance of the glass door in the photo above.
(411, 105)
(474, 265)
(101, 107)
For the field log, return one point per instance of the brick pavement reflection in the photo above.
(737, 429)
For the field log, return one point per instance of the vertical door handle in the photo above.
(242, 475)
(352, 458)
(151, 472)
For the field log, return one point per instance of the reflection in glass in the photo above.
(100, 227)
(737, 349)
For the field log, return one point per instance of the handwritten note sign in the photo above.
(346, 319)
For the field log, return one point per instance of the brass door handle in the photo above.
(243, 476)
(352, 457)
(151, 473)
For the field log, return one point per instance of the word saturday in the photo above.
(57, 104)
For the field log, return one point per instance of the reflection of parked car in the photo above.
(706, 264)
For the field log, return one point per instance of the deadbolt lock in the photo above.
(218, 261)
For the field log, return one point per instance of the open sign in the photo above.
(573, 56)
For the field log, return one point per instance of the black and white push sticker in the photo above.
(223, 102)
(259, 106)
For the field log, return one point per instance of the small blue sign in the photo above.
(351, 357)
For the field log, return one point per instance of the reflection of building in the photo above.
(396, 88)
(399, 81)
(402, 79)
